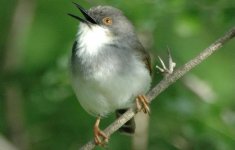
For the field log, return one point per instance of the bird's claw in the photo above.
(142, 104)
(100, 137)
(171, 65)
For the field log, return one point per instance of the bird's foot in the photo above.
(142, 103)
(99, 136)
(171, 65)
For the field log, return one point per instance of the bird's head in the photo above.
(104, 18)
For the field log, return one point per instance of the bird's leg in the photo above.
(142, 104)
(98, 134)
(171, 65)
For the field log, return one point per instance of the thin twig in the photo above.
(165, 83)
(6, 145)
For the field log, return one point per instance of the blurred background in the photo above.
(39, 111)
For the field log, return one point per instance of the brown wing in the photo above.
(145, 57)
(147, 60)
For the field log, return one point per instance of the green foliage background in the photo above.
(180, 119)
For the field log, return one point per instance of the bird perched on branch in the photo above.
(110, 68)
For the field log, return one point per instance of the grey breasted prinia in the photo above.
(109, 66)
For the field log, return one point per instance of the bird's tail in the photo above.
(129, 126)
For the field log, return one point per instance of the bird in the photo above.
(110, 69)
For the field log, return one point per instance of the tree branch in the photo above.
(165, 83)
(6, 145)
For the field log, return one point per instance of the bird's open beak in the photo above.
(88, 19)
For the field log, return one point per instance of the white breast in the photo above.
(105, 94)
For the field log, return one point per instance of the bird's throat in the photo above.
(91, 39)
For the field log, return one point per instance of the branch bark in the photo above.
(165, 83)
(6, 145)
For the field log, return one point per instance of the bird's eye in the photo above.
(107, 21)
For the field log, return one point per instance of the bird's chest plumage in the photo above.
(108, 78)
